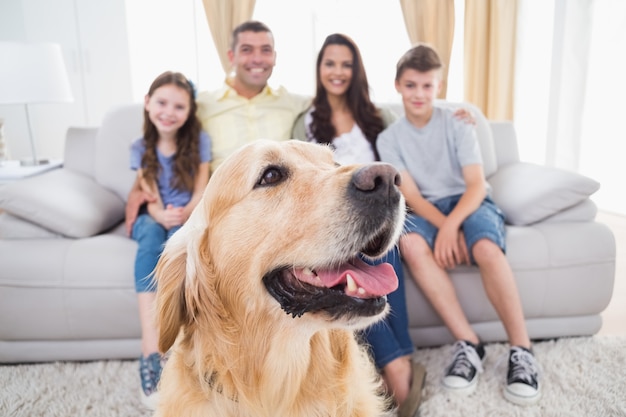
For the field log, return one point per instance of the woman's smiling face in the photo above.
(336, 69)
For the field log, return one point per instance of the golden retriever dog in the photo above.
(261, 291)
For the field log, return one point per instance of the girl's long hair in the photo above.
(365, 114)
(187, 156)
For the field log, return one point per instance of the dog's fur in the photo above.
(251, 333)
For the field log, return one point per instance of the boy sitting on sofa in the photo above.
(451, 221)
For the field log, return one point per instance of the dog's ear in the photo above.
(171, 305)
(183, 276)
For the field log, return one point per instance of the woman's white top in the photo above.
(349, 148)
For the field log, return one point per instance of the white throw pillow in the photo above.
(528, 193)
(64, 202)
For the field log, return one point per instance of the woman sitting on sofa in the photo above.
(343, 116)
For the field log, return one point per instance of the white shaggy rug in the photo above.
(582, 377)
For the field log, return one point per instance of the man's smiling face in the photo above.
(253, 61)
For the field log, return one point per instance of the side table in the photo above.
(12, 170)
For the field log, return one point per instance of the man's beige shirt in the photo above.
(233, 121)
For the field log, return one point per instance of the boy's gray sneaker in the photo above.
(522, 381)
(462, 373)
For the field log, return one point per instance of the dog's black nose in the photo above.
(378, 177)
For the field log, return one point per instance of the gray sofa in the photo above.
(66, 265)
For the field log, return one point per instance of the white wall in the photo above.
(94, 43)
(12, 28)
(166, 35)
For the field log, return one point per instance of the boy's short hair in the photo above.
(248, 26)
(421, 57)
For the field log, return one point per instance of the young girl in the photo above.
(172, 163)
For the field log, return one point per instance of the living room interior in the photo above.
(565, 112)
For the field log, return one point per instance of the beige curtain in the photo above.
(490, 27)
(432, 22)
(223, 16)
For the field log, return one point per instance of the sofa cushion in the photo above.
(64, 202)
(80, 150)
(528, 193)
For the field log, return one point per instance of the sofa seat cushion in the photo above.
(560, 269)
(64, 202)
(528, 193)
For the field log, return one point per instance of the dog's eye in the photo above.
(272, 175)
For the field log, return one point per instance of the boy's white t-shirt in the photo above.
(434, 155)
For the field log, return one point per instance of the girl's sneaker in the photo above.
(150, 374)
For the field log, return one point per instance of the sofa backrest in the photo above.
(483, 131)
(120, 126)
(123, 124)
(80, 150)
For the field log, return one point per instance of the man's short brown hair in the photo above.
(248, 26)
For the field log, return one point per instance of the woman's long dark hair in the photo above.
(365, 114)
(187, 156)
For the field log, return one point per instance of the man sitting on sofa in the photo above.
(223, 112)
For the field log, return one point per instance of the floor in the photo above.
(614, 317)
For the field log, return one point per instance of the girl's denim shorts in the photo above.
(486, 222)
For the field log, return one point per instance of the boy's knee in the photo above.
(484, 250)
(415, 246)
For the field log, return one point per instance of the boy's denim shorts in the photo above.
(486, 222)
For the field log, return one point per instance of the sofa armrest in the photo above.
(584, 211)
(13, 227)
(505, 142)
(80, 150)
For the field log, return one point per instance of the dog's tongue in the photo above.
(367, 281)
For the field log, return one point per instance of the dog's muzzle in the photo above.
(350, 287)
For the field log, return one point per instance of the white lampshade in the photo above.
(33, 73)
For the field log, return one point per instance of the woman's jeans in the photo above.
(151, 238)
(389, 339)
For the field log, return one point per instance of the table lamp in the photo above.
(32, 73)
